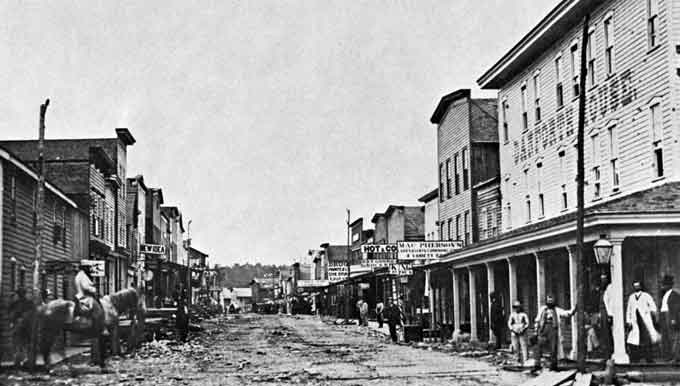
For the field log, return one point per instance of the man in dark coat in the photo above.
(394, 318)
(182, 317)
(497, 319)
(670, 320)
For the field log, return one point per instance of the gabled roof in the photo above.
(355, 222)
(9, 157)
(429, 196)
(445, 102)
(376, 217)
(550, 29)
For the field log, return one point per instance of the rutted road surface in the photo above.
(279, 350)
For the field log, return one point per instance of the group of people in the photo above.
(393, 315)
(648, 329)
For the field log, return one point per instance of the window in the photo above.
(491, 224)
(457, 227)
(466, 225)
(590, 58)
(608, 46)
(508, 216)
(13, 188)
(483, 223)
(525, 181)
(655, 122)
(563, 179)
(613, 158)
(464, 157)
(448, 237)
(559, 91)
(573, 58)
(441, 183)
(657, 137)
(528, 208)
(504, 111)
(595, 147)
(525, 118)
(537, 97)
(456, 182)
(539, 177)
(448, 177)
(441, 231)
(652, 22)
(541, 205)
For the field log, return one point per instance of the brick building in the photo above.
(65, 237)
(92, 173)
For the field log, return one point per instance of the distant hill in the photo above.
(238, 275)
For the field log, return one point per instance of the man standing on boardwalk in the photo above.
(639, 320)
(549, 332)
(670, 320)
(518, 323)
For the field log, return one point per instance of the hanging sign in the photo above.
(152, 249)
(337, 272)
(426, 250)
(379, 248)
(97, 267)
(401, 269)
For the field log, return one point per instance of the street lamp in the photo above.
(603, 251)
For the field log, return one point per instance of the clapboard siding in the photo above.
(608, 103)
(19, 239)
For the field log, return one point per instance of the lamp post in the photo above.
(603, 251)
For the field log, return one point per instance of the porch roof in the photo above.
(661, 199)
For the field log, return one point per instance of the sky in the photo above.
(262, 120)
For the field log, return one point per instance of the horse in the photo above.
(124, 301)
(60, 315)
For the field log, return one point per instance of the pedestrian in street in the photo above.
(549, 332)
(497, 319)
(363, 313)
(379, 308)
(640, 315)
(669, 319)
(394, 318)
(518, 323)
(359, 303)
(182, 317)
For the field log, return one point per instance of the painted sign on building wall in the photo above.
(615, 93)
(337, 272)
(401, 269)
(426, 250)
(152, 249)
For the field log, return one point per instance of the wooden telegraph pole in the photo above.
(40, 199)
(39, 204)
(348, 289)
(580, 182)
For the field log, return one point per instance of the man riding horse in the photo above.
(86, 295)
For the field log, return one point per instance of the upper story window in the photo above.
(466, 173)
(508, 216)
(539, 177)
(504, 113)
(609, 45)
(448, 177)
(456, 181)
(613, 157)
(590, 58)
(525, 181)
(652, 22)
(441, 183)
(537, 96)
(656, 124)
(458, 227)
(595, 148)
(12, 188)
(573, 60)
(525, 118)
(466, 226)
(559, 90)
(449, 232)
(483, 225)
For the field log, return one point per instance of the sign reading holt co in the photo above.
(152, 249)
(426, 250)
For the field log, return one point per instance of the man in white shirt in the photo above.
(518, 323)
(86, 295)
(639, 320)
(669, 320)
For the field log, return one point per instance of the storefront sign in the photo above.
(378, 248)
(337, 272)
(401, 269)
(313, 283)
(97, 267)
(378, 263)
(152, 249)
(426, 250)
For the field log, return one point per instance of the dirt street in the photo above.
(277, 350)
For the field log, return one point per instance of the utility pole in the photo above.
(580, 182)
(188, 278)
(40, 199)
(348, 301)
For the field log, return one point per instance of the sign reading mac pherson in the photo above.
(426, 250)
